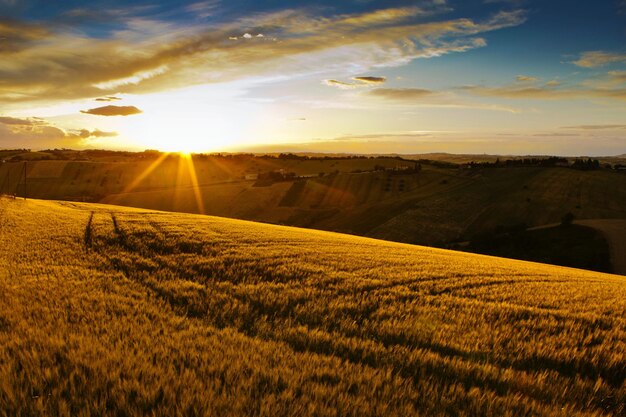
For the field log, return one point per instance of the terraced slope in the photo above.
(115, 311)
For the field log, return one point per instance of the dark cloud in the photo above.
(34, 132)
(16, 36)
(21, 122)
(109, 98)
(371, 80)
(113, 111)
(359, 82)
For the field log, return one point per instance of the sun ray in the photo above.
(194, 182)
(181, 182)
(154, 165)
(222, 167)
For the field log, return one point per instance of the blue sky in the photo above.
(479, 76)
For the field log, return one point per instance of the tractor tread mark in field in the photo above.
(88, 231)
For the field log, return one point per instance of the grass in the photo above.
(114, 311)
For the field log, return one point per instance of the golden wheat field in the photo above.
(110, 311)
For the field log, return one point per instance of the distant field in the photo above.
(106, 310)
(424, 203)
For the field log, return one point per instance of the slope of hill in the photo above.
(426, 203)
(115, 311)
(432, 206)
(572, 245)
(615, 231)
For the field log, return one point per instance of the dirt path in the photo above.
(614, 230)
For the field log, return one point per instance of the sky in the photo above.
(515, 77)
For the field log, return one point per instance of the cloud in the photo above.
(340, 84)
(15, 36)
(526, 143)
(431, 98)
(21, 122)
(86, 134)
(359, 82)
(203, 9)
(618, 76)
(370, 80)
(35, 132)
(113, 111)
(151, 55)
(594, 59)
(546, 93)
(526, 79)
(596, 127)
(109, 98)
(555, 135)
(403, 94)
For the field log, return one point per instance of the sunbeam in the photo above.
(187, 159)
(154, 165)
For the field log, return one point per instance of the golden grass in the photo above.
(124, 312)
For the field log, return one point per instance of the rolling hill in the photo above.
(108, 310)
(428, 203)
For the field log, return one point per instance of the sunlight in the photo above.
(154, 165)
(187, 159)
(191, 120)
(185, 138)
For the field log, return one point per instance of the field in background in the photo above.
(424, 202)
(118, 311)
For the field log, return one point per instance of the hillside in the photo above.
(572, 245)
(428, 202)
(614, 230)
(372, 197)
(107, 310)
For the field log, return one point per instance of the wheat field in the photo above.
(111, 311)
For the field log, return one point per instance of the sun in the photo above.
(192, 120)
(182, 135)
